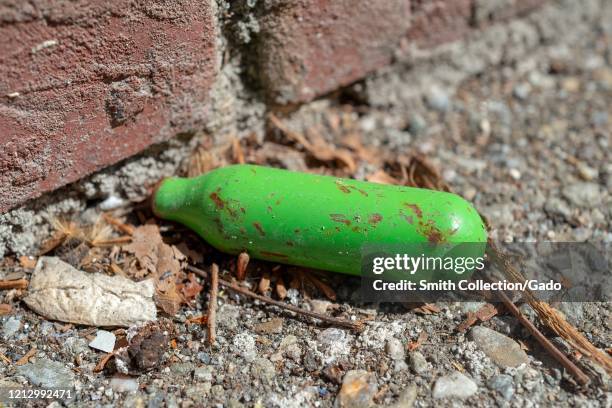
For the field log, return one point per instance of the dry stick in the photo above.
(118, 224)
(574, 370)
(357, 326)
(112, 241)
(5, 359)
(13, 284)
(24, 360)
(212, 304)
(5, 308)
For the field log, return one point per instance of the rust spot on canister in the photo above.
(342, 187)
(219, 203)
(219, 225)
(415, 208)
(273, 254)
(259, 229)
(430, 231)
(435, 236)
(340, 218)
(362, 192)
(375, 218)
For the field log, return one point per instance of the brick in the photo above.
(438, 21)
(84, 84)
(310, 47)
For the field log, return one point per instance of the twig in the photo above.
(574, 370)
(13, 284)
(112, 241)
(323, 287)
(5, 309)
(24, 360)
(102, 363)
(212, 304)
(118, 224)
(357, 326)
(5, 359)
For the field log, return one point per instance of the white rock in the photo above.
(104, 341)
(395, 349)
(455, 385)
(111, 203)
(244, 345)
(124, 384)
(333, 343)
(58, 291)
(11, 326)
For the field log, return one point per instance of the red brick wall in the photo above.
(84, 84)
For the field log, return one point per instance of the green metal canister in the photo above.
(312, 220)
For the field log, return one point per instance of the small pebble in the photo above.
(583, 194)
(503, 384)
(111, 203)
(504, 351)
(47, 373)
(417, 124)
(244, 345)
(418, 363)
(455, 385)
(395, 349)
(124, 384)
(203, 373)
(104, 341)
(263, 369)
(438, 99)
(272, 326)
(522, 91)
(358, 390)
(10, 327)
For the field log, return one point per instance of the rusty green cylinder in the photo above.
(311, 220)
